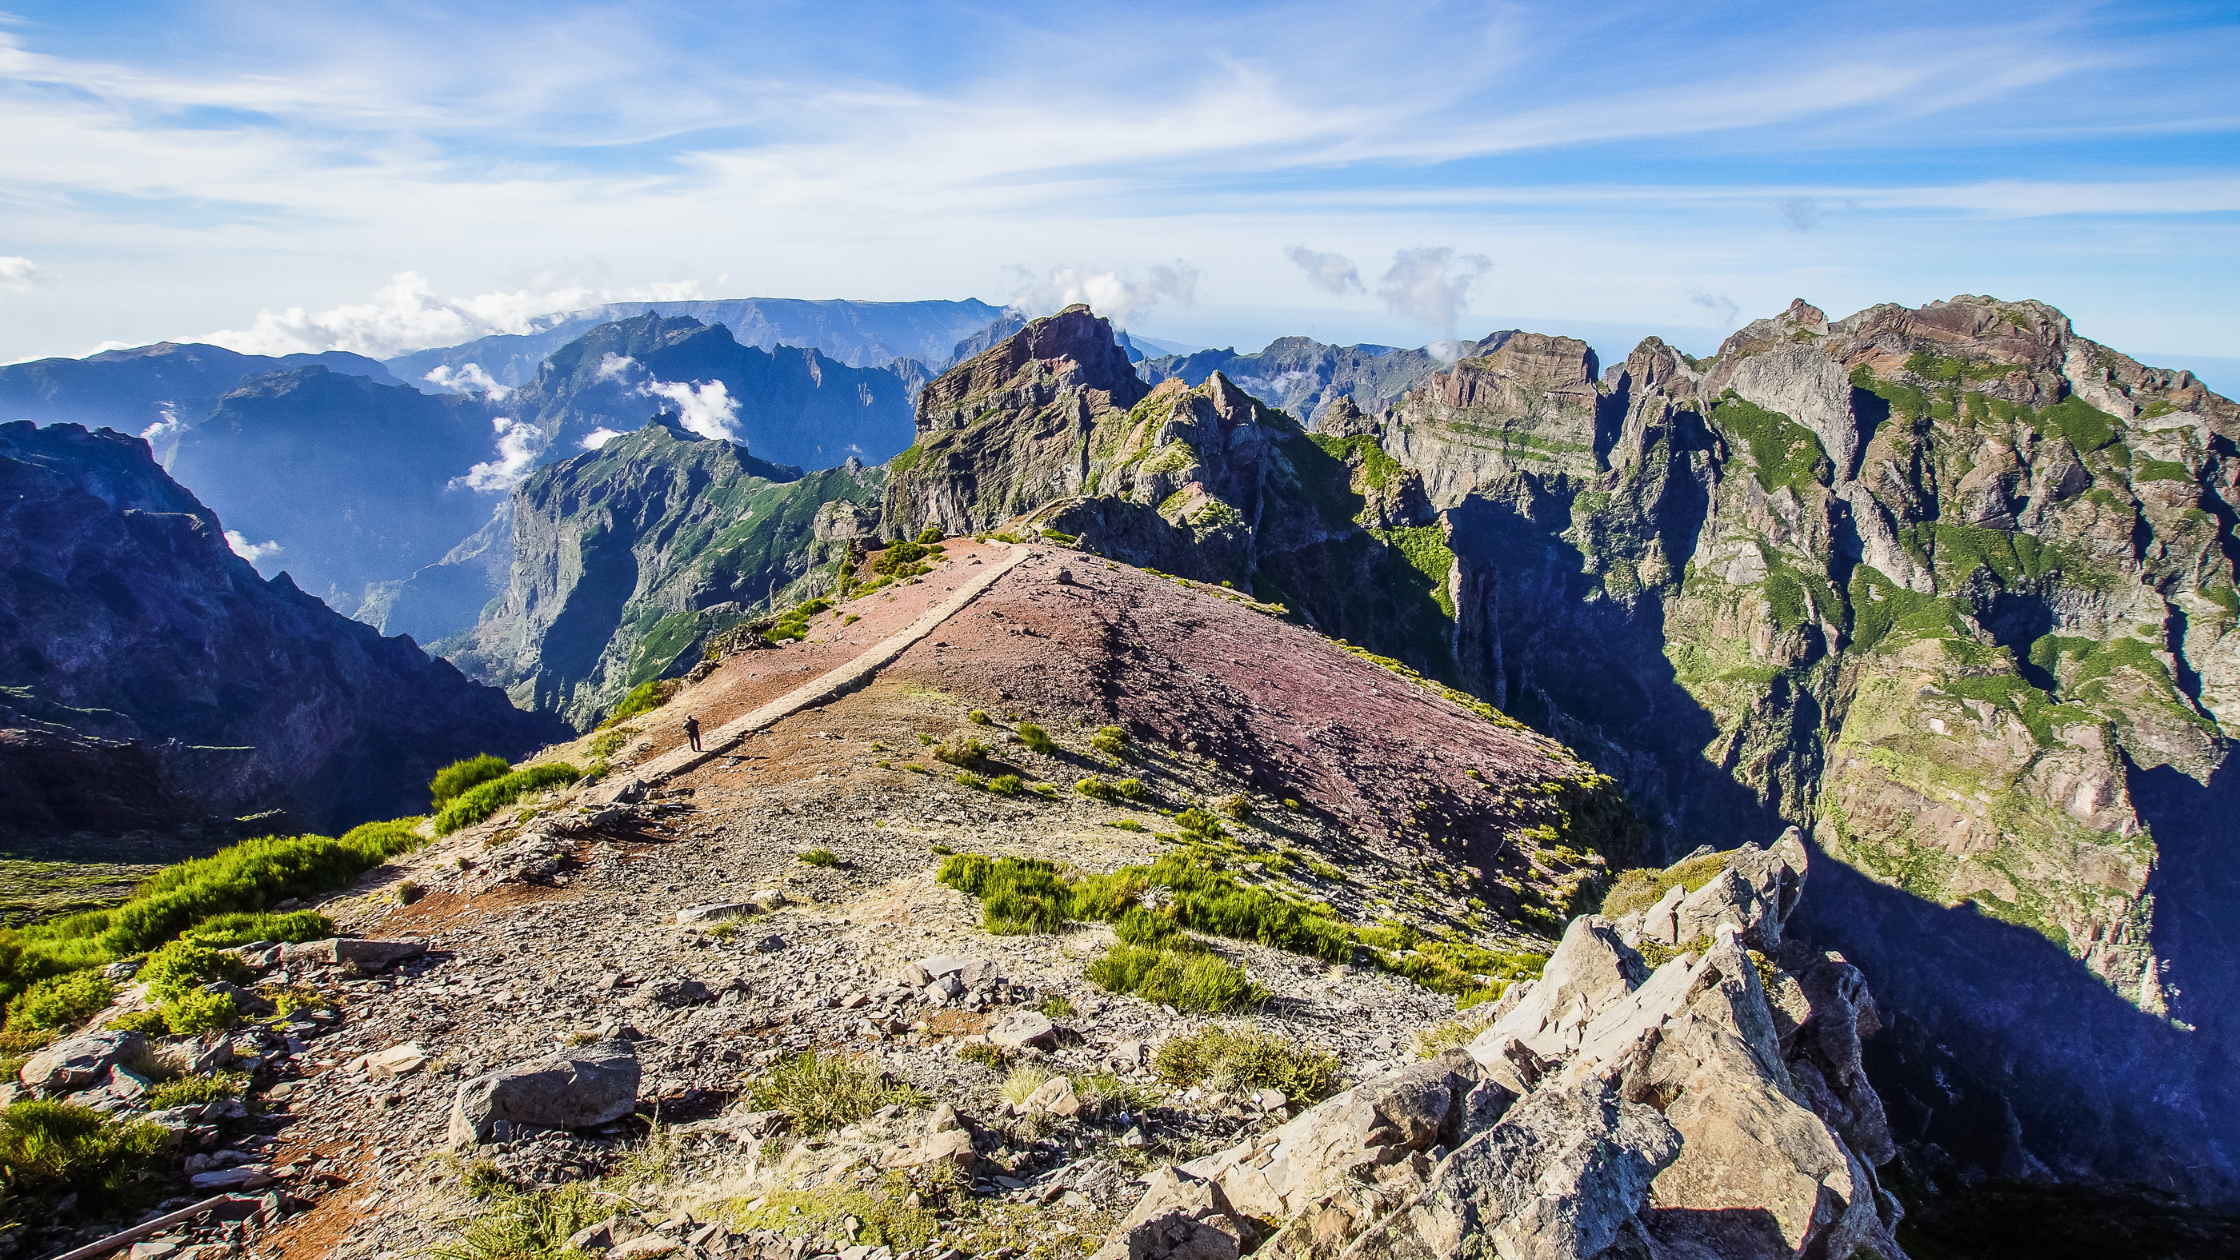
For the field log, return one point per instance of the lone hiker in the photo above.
(692, 731)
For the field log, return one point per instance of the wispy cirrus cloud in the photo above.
(261, 170)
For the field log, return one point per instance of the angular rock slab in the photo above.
(574, 1089)
(367, 956)
(80, 1061)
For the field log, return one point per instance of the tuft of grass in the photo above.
(51, 1148)
(517, 1226)
(1109, 740)
(963, 751)
(1095, 788)
(1641, 888)
(606, 744)
(224, 931)
(1451, 1034)
(461, 775)
(1131, 789)
(1024, 1081)
(1125, 824)
(1036, 739)
(1192, 979)
(1236, 806)
(890, 1213)
(1230, 1058)
(483, 800)
(189, 1091)
(1017, 895)
(821, 857)
(1056, 1006)
(985, 1055)
(979, 717)
(146, 1023)
(1006, 785)
(820, 1093)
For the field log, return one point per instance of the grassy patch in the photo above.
(643, 698)
(820, 1093)
(62, 1002)
(461, 775)
(1641, 888)
(821, 857)
(1109, 740)
(1193, 979)
(479, 803)
(1783, 452)
(606, 744)
(191, 1090)
(50, 1149)
(963, 751)
(1018, 895)
(516, 1226)
(1036, 739)
(1234, 1058)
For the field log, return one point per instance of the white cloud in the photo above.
(249, 551)
(518, 447)
(1719, 305)
(1333, 272)
(406, 315)
(168, 425)
(1108, 293)
(708, 410)
(599, 437)
(19, 275)
(1430, 284)
(613, 367)
(470, 379)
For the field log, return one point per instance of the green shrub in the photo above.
(480, 802)
(189, 1091)
(1201, 828)
(1056, 1006)
(1095, 788)
(930, 535)
(606, 744)
(1236, 806)
(1007, 785)
(961, 750)
(461, 775)
(195, 1011)
(1109, 740)
(1131, 789)
(985, 1055)
(1125, 824)
(187, 964)
(1017, 895)
(966, 778)
(1232, 1059)
(64, 1001)
(228, 930)
(1106, 898)
(978, 717)
(821, 857)
(1141, 925)
(146, 1023)
(643, 698)
(898, 556)
(1639, 889)
(822, 1093)
(53, 1148)
(1036, 739)
(1193, 980)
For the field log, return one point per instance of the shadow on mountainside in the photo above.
(2196, 891)
(1591, 671)
(2016, 1061)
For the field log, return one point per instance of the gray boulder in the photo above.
(673, 992)
(1022, 1029)
(1181, 1217)
(1560, 1178)
(77, 1062)
(338, 951)
(590, 1085)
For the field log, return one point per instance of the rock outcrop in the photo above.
(1712, 1107)
(122, 604)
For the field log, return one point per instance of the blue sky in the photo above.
(268, 171)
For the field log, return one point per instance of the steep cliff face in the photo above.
(1949, 584)
(120, 600)
(787, 404)
(628, 559)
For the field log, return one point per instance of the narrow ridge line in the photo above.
(826, 686)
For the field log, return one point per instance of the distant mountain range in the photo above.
(858, 334)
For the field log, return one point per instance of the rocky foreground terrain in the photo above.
(587, 1017)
